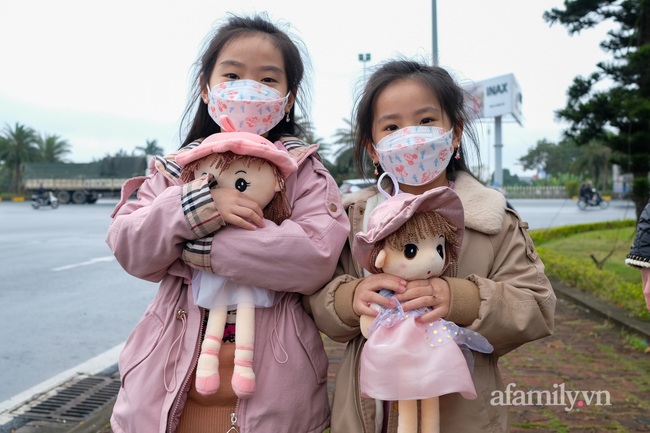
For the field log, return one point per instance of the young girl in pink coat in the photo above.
(166, 233)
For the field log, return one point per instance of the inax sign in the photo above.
(495, 97)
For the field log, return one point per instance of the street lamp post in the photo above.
(434, 32)
(364, 58)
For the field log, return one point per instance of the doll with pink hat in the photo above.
(256, 167)
(415, 237)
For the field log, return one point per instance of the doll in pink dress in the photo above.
(415, 237)
(256, 167)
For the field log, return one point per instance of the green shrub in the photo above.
(542, 236)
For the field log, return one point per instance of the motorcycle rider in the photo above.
(41, 194)
(587, 191)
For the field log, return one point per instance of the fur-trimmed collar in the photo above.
(485, 208)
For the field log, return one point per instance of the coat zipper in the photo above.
(180, 313)
(233, 420)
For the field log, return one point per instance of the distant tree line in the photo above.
(20, 144)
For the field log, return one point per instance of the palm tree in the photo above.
(593, 162)
(52, 148)
(345, 164)
(308, 133)
(18, 145)
(151, 148)
(344, 137)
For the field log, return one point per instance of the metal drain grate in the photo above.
(78, 401)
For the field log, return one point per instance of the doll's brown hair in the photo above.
(277, 210)
(416, 228)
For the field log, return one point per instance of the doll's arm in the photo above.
(386, 305)
(364, 323)
(365, 320)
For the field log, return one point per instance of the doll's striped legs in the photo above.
(243, 378)
(207, 370)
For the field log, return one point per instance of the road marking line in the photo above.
(86, 263)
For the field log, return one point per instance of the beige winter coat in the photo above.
(501, 292)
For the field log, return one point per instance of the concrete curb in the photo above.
(12, 410)
(603, 309)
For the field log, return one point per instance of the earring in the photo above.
(376, 173)
(287, 119)
(457, 153)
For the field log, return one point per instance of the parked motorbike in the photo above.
(48, 199)
(592, 199)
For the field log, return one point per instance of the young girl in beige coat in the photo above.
(500, 290)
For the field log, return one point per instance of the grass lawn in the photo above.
(571, 259)
(601, 244)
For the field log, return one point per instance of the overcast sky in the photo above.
(111, 75)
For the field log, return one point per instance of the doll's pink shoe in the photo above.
(243, 384)
(209, 384)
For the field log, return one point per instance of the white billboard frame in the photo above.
(494, 97)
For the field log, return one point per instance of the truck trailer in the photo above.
(83, 182)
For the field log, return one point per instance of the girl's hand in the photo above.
(366, 293)
(433, 293)
(237, 209)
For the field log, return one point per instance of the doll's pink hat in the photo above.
(390, 215)
(241, 143)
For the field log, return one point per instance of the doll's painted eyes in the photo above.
(410, 251)
(241, 184)
(441, 250)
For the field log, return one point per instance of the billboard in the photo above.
(495, 97)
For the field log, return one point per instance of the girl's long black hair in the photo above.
(201, 124)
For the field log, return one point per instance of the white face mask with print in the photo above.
(416, 155)
(252, 106)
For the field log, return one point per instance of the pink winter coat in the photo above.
(298, 257)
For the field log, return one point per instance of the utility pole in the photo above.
(434, 32)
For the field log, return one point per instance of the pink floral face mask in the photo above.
(416, 155)
(252, 106)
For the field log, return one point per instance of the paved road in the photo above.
(541, 214)
(64, 298)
